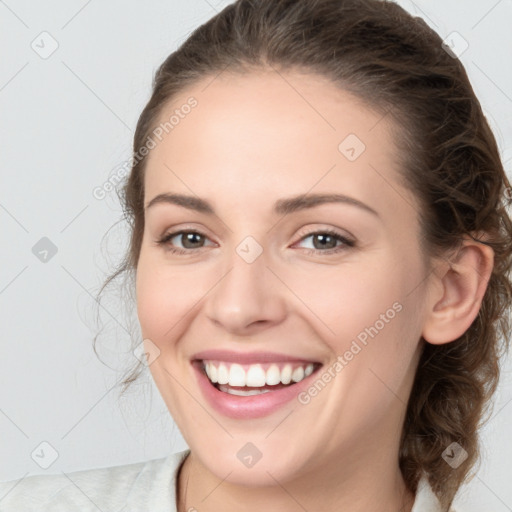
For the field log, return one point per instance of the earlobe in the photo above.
(459, 291)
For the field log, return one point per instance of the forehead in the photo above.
(254, 138)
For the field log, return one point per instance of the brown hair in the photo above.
(395, 64)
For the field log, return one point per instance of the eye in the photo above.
(325, 242)
(190, 240)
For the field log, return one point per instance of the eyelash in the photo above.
(164, 241)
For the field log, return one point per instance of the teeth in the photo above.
(298, 374)
(273, 375)
(255, 376)
(236, 375)
(243, 392)
(286, 374)
(222, 374)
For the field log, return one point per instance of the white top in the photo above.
(139, 487)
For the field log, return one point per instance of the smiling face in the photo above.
(261, 277)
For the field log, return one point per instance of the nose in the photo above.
(247, 298)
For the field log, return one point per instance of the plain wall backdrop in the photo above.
(74, 78)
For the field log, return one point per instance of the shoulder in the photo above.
(111, 488)
(426, 500)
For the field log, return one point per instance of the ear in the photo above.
(458, 289)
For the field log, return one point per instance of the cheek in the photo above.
(378, 328)
(344, 300)
(365, 311)
(165, 296)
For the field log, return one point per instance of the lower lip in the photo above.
(248, 407)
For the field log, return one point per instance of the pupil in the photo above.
(189, 238)
(324, 237)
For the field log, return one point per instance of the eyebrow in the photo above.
(281, 207)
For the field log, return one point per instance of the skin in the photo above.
(254, 139)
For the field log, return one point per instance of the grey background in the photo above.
(67, 123)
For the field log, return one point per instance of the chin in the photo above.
(229, 466)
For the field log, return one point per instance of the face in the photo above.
(339, 284)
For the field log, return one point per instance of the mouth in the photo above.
(252, 390)
(254, 379)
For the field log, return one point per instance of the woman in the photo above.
(321, 250)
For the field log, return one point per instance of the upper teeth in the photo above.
(254, 375)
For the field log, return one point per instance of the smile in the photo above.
(245, 391)
(256, 375)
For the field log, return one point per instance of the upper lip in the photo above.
(247, 357)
